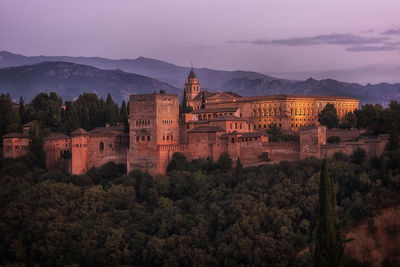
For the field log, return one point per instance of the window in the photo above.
(137, 138)
(143, 137)
(167, 137)
(163, 138)
(101, 147)
(148, 138)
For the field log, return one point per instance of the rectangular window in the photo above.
(148, 138)
(137, 138)
(163, 138)
(143, 137)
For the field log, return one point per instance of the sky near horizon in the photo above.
(269, 36)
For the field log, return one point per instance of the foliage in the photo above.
(328, 116)
(333, 139)
(358, 156)
(275, 135)
(328, 245)
(349, 121)
(36, 153)
(197, 214)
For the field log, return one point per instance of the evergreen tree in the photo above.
(239, 170)
(329, 245)
(84, 118)
(111, 111)
(36, 154)
(184, 101)
(394, 136)
(22, 110)
(328, 116)
(123, 117)
(203, 101)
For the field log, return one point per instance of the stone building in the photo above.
(219, 123)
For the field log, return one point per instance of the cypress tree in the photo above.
(36, 153)
(239, 170)
(329, 245)
(203, 101)
(22, 110)
(184, 101)
(124, 116)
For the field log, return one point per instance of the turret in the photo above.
(192, 86)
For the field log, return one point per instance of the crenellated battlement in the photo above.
(173, 148)
(146, 97)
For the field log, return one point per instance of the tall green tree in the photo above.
(21, 110)
(123, 116)
(203, 100)
(111, 111)
(36, 154)
(328, 116)
(328, 245)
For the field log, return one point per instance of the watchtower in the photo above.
(153, 121)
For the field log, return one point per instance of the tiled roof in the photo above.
(215, 110)
(29, 124)
(111, 129)
(79, 131)
(56, 136)
(16, 135)
(285, 97)
(228, 118)
(207, 94)
(206, 129)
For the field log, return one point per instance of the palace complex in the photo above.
(223, 122)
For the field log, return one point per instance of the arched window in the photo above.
(101, 146)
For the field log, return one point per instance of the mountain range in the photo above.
(70, 76)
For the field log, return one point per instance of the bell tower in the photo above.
(192, 86)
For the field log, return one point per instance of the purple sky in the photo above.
(274, 36)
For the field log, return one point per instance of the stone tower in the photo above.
(192, 86)
(153, 122)
(79, 151)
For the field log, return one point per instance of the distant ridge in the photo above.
(147, 75)
(69, 80)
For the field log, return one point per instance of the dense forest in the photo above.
(202, 213)
(87, 111)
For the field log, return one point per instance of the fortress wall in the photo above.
(54, 148)
(345, 134)
(373, 147)
(79, 154)
(15, 147)
(98, 155)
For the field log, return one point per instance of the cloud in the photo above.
(335, 39)
(202, 47)
(375, 48)
(391, 32)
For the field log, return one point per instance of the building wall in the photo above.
(79, 154)
(54, 149)
(15, 147)
(154, 120)
(103, 148)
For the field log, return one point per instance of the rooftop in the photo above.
(215, 110)
(207, 129)
(16, 135)
(56, 136)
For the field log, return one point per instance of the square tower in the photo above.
(153, 121)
